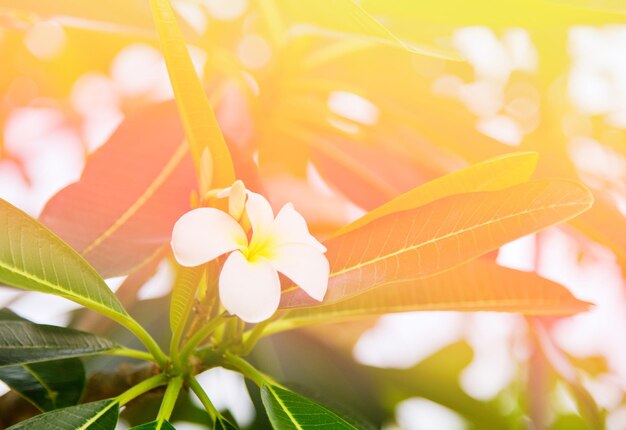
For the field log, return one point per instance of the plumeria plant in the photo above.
(245, 269)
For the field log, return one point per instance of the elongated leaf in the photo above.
(48, 385)
(490, 175)
(155, 425)
(183, 294)
(288, 410)
(100, 415)
(341, 18)
(34, 258)
(24, 342)
(479, 285)
(134, 20)
(201, 127)
(421, 242)
(131, 193)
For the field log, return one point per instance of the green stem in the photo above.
(251, 337)
(141, 388)
(247, 369)
(169, 399)
(146, 339)
(204, 398)
(200, 335)
(132, 353)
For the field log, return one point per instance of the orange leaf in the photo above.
(479, 285)
(131, 193)
(420, 242)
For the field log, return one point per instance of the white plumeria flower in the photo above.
(249, 286)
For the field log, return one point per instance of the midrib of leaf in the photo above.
(98, 415)
(86, 301)
(452, 234)
(41, 381)
(158, 182)
(285, 408)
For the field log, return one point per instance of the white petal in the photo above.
(289, 227)
(260, 215)
(304, 265)
(250, 290)
(204, 234)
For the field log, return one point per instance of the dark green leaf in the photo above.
(288, 410)
(100, 415)
(222, 423)
(48, 385)
(154, 425)
(34, 258)
(24, 342)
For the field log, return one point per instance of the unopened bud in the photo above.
(237, 199)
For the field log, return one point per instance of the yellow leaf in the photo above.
(201, 127)
(490, 175)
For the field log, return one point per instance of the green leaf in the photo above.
(154, 425)
(24, 342)
(48, 385)
(34, 258)
(183, 293)
(201, 127)
(100, 415)
(222, 423)
(288, 410)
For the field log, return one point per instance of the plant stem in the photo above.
(200, 335)
(146, 339)
(132, 353)
(251, 337)
(246, 369)
(203, 397)
(141, 388)
(169, 399)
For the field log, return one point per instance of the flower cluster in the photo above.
(260, 246)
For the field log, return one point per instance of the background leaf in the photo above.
(100, 415)
(416, 243)
(131, 193)
(33, 258)
(24, 342)
(288, 410)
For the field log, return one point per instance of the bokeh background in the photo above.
(338, 118)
